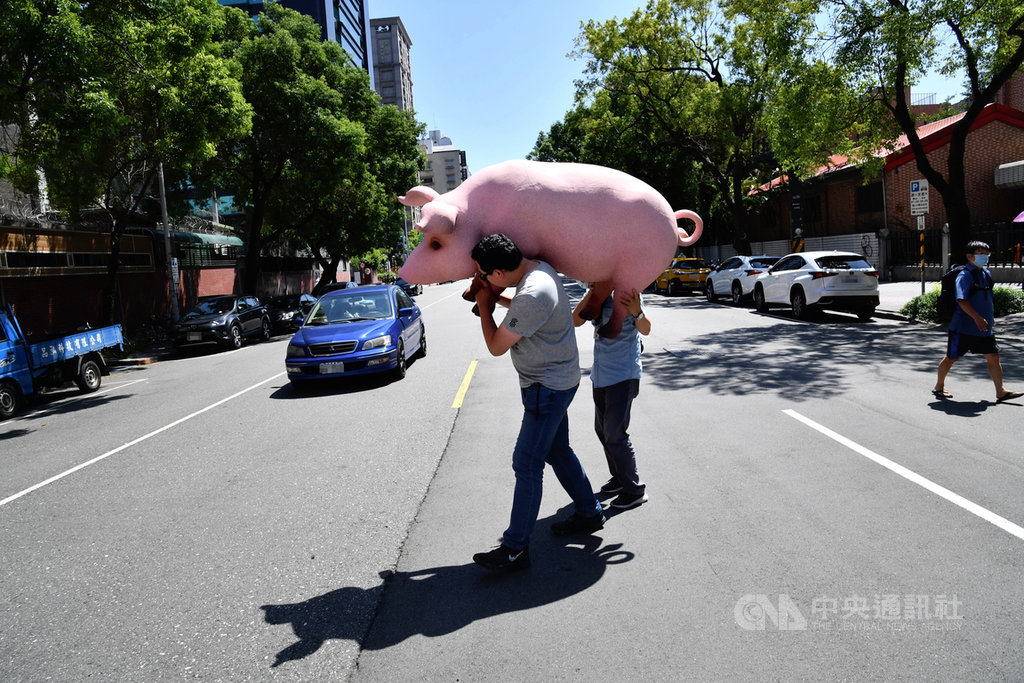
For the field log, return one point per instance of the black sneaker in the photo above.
(611, 486)
(624, 501)
(578, 525)
(503, 559)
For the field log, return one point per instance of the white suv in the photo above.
(814, 280)
(735, 277)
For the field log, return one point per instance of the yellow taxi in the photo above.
(684, 275)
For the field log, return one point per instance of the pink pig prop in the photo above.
(592, 223)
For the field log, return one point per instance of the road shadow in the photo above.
(960, 408)
(54, 402)
(437, 601)
(798, 360)
(338, 386)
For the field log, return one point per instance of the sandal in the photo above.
(1009, 395)
(942, 393)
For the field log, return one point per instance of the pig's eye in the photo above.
(435, 245)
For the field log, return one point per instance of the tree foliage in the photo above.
(324, 158)
(139, 85)
(887, 46)
(690, 80)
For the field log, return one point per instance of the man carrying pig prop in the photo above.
(592, 223)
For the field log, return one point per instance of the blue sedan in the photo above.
(354, 332)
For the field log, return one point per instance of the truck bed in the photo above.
(78, 344)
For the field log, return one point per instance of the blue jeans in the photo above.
(544, 438)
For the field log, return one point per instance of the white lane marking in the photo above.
(455, 293)
(987, 515)
(153, 433)
(118, 386)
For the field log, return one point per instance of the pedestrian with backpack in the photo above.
(970, 329)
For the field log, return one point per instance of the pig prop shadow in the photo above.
(592, 223)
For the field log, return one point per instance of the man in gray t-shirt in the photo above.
(538, 330)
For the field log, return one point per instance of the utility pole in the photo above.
(172, 263)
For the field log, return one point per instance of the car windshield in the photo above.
(350, 307)
(287, 301)
(223, 304)
(841, 262)
(763, 262)
(694, 264)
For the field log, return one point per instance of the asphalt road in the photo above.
(814, 514)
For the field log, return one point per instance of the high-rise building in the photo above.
(341, 21)
(392, 77)
(446, 164)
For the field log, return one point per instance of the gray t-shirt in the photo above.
(540, 312)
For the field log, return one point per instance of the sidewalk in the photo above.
(893, 295)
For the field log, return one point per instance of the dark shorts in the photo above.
(959, 344)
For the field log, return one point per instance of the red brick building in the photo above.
(837, 201)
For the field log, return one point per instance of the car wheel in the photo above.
(737, 294)
(866, 314)
(88, 379)
(235, 336)
(401, 365)
(10, 400)
(423, 342)
(265, 333)
(673, 287)
(709, 290)
(799, 303)
(759, 303)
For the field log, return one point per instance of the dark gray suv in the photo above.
(227, 320)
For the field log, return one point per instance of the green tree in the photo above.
(886, 46)
(694, 77)
(304, 169)
(360, 213)
(45, 50)
(143, 87)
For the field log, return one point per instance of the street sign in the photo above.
(920, 223)
(918, 197)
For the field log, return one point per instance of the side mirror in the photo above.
(404, 312)
(300, 321)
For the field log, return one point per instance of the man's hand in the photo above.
(632, 302)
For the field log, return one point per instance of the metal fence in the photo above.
(1006, 241)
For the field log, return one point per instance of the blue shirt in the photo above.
(975, 285)
(618, 359)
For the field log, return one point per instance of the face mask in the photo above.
(981, 260)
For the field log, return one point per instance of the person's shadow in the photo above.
(441, 600)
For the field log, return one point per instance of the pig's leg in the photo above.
(475, 286)
(613, 327)
(599, 291)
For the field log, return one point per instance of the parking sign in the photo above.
(918, 197)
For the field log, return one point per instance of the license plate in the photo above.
(331, 368)
(195, 336)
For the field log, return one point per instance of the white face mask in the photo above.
(981, 260)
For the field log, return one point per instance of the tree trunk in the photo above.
(112, 312)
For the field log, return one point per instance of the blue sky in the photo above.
(493, 75)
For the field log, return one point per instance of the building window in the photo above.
(450, 178)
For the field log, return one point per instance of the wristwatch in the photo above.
(640, 316)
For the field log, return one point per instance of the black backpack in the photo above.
(947, 305)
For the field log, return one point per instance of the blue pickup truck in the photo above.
(26, 368)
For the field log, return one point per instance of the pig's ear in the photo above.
(438, 219)
(418, 196)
